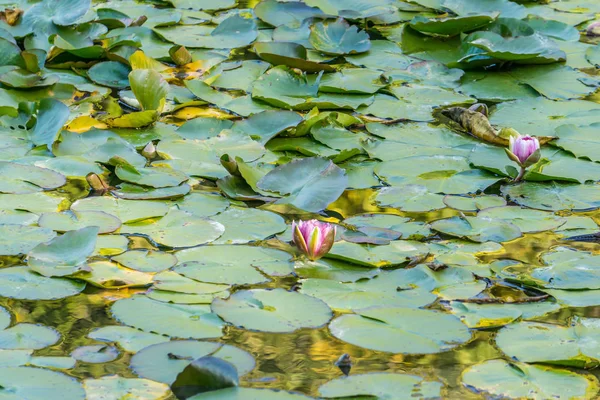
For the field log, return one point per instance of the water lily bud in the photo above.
(593, 29)
(96, 182)
(524, 150)
(313, 238)
(149, 151)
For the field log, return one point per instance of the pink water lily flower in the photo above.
(523, 147)
(313, 238)
(525, 151)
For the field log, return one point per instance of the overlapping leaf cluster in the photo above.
(165, 146)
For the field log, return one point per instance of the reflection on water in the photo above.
(304, 360)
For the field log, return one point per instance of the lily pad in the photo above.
(17, 239)
(554, 196)
(321, 182)
(129, 339)
(125, 210)
(274, 310)
(146, 260)
(35, 287)
(24, 382)
(381, 385)
(163, 362)
(22, 179)
(110, 73)
(73, 220)
(118, 387)
(174, 320)
(401, 330)
(572, 346)
(28, 336)
(478, 229)
(179, 229)
(64, 255)
(338, 37)
(243, 225)
(517, 380)
(214, 264)
(95, 354)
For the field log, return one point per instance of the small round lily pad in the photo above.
(95, 354)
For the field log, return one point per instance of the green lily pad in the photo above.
(17, 239)
(401, 330)
(146, 260)
(149, 88)
(64, 255)
(243, 225)
(290, 54)
(320, 183)
(28, 336)
(110, 73)
(288, 13)
(156, 176)
(352, 80)
(35, 287)
(234, 31)
(527, 220)
(129, 339)
(478, 229)
(28, 382)
(163, 362)
(174, 282)
(134, 192)
(381, 385)
(36, 203)
(174, 320)
(518, 380)
(95, 354)
(22, 179)
(450, 26)
(109, 275)
(274, 310)
(239, 393)
(338, 37)
(179, 229)
(73, 220)
(572, 346)
(411, 198)
(126, 210)
(214, 264)
(554, 196)
(579, 140)
(118, 387)
(363, 294)
(465, 203)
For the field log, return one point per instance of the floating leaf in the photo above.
(28, 336)
(338, 37)
(73, 220)
(274, 310)
(401, 330)
(175, 320)
(96, 389)
(95, 354)
(17, 239)
(517, 380)
(129, 339)
(179, 229)
(163, 362)
(32, 286)
(64, 255)
(381, 385)
(24, 382)
(319, 183)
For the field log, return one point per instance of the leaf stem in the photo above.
(520, 176)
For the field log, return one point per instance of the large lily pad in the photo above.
(401, 330)
(338, 37)
(381, 385)
(24, 382)
(175, 320)
(16, 239)
(518, 380)
(272, 310)
(32, 286)
(320, 183)
(179, 229)
(163, 362)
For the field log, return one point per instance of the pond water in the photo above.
(154, 155)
